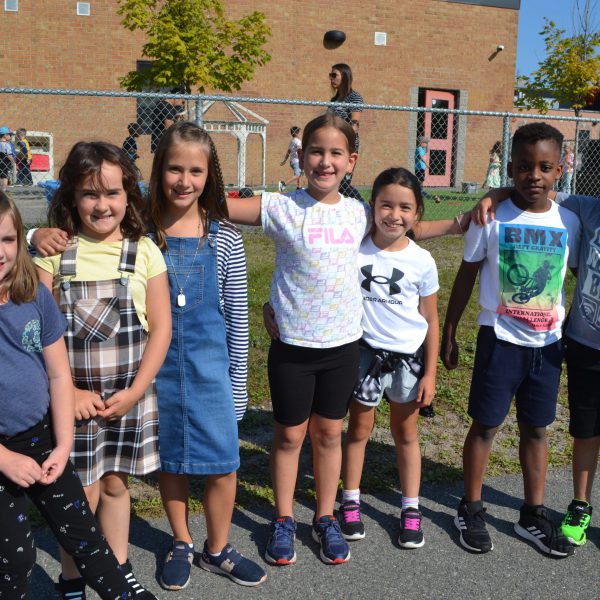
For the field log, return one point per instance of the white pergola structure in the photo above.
(244, 123)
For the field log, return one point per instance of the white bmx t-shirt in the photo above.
(525, 257)
(314, 289)
(391, 284)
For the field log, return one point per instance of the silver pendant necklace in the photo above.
(181, 301)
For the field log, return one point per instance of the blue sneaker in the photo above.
(233, 565)
(280, 549)
(334, 548)
(177, 566)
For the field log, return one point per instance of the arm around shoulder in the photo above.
(245, 211)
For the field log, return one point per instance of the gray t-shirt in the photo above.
(584, 320)
(25, 329)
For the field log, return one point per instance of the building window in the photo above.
(83, 9)
(11, 5)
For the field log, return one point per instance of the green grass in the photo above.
(441, 438)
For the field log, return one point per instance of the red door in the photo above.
(439, 128)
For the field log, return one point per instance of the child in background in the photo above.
(130, 142)
(7, 158)
(111, 284)
(202, 384)
(314, 354)
(523, 255)
(568, 164)
(34, 443)
(23, 158)
(292, 154)
(398, 349)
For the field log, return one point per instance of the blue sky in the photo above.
(530, 47)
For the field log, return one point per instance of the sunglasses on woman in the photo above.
(333, 75)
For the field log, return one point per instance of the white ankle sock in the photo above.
(348, 495)
(410, 502)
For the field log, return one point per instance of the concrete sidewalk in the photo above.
(379, 568)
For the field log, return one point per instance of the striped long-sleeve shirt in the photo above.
(233, 294)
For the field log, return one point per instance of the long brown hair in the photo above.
(21, 283)
(346, 85)
(212, 198)
(85, 159)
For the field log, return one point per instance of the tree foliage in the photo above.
(191, 42)
(570, 72)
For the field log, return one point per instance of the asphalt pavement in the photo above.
(379, 568)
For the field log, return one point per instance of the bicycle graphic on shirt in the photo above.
(528, 286)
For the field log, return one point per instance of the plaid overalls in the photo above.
(106, 340)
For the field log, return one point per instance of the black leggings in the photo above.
(64, 506)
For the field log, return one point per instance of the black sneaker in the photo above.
(535, 525)
(411, 532)
(137, 589)
(71, 589)
(350, 522)
(470, 521)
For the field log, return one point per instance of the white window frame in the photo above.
(11, 5)
(84, 9)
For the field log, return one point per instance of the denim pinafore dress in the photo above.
(106, 341)
(198, 427)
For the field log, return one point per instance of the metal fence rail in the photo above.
(466, 150)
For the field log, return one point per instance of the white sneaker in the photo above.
(281, 186)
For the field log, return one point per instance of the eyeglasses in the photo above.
(333, 75)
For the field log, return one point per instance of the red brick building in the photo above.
(435, 50)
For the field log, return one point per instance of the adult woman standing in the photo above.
(340, 79)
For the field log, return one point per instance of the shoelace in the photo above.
(412, 523)
(351, 515)
(282, 531)
(332, 531)
(576, 516)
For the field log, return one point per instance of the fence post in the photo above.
(505, 148)
(199, 111)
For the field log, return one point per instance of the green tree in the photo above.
(191, 42)
(570, 71)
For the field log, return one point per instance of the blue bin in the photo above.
(49, 186)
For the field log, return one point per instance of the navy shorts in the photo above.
(503, 371)
(583, 369)
(311, 380)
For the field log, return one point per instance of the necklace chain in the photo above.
(181, 296)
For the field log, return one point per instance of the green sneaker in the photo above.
(576, 521)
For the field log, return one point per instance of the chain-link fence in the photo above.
(461, 151)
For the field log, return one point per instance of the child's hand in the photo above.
(49, 241)
(282, 163)
(269, 321)
(118, 405)
(425, 391)
(87, 404)
(21, 469)
(449, 352)
(486, 206)
(54, 465)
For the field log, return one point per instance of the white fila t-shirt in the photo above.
(314, 290)
(391, 284)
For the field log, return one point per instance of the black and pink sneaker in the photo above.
(350, 522)
(411, 532)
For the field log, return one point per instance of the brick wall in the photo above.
(430, 44)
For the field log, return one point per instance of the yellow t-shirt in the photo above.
(99, 261)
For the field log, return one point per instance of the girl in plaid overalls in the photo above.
(202, 384)
(111, 284)
(36, 429)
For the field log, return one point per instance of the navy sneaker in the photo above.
(233, 565)
(280, 549)
(334, 548)
(177, 566)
